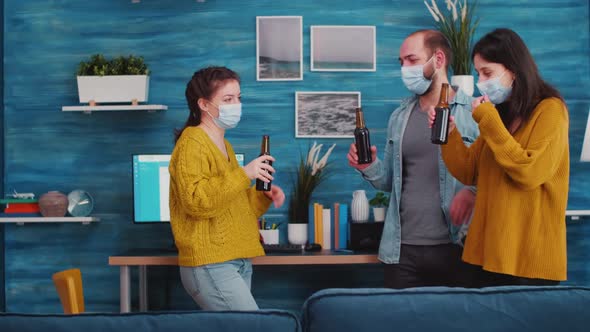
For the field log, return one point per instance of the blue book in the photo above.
(343, 227)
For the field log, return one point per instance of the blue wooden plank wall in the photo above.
(2, 297)
(46, 149)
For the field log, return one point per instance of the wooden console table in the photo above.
(142, 258)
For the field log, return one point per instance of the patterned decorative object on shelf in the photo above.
(53, 204)
(359, 207)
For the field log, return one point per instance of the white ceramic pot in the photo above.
(359, 207)
(113, 88)
(463, 82)
(297, 233)
(379, 214)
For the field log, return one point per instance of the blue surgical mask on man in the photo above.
(229, 115)
(414, 80)
(495, 90)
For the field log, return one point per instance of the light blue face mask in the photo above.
(414, 80)
(229, 115)
(494, 89)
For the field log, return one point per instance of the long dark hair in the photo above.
(505, 46)
(203, 84)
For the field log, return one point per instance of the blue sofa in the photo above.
(264, 320)
(441, 309)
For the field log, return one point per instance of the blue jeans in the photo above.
(222, 286)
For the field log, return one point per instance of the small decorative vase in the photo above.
(379, 214)
(53, 204)
(359, 207)
(297, 233)
(463, 82)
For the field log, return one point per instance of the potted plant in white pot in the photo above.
(120, 80)
(309, 174)
(458, 25)
(379, 202)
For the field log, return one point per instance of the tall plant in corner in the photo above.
(310, 173)
(458, 25)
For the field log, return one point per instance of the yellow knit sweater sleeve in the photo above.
(258, 201)
(533, 166)
(202, 194)
(461, 160)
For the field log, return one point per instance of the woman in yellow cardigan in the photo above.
(520, 164)
(213, 207)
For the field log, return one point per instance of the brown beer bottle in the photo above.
(264, 150)
(440, 127)
(362, 139)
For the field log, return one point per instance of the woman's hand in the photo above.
(462, 207)
(277, 195)
(258, 169)
(353, 159)
(432, 116)
(478, 101)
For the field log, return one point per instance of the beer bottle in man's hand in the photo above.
(264, 150)
(362, 139)
(440, 127)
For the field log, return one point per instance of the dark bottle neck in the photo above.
(444, 96)
(265, 147)
(360, 119)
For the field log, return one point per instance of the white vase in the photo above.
(359, 207)
(379, 214)
(463, 82)
(297, 233)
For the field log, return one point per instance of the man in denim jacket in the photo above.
(429, 210)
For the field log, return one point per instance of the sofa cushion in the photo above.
(440, 309)
(264, 320)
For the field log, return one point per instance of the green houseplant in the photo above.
(121, 79)
(98, 65)
(458, 24)
(310, 172)
(379, 202)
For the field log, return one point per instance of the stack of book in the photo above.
(329, 226)
(14, 207)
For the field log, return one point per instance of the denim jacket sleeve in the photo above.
(381, 172)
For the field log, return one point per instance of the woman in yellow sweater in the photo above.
(213, 207)
(520, 164)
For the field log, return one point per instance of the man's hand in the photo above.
(353, 158)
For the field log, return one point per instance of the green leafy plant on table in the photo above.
(310, 172)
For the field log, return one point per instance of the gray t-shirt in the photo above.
(422, 219)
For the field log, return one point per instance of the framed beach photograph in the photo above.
(329, 114)
(343, 48)
(279, 48)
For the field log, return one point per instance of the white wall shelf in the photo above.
(102, 108)
(27, 220)
(576, 214)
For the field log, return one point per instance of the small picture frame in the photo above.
(343, 48)
(279, 48)
(327, 114)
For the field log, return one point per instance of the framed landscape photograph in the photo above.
(343, 48)
(329, 114)
(279, 48)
